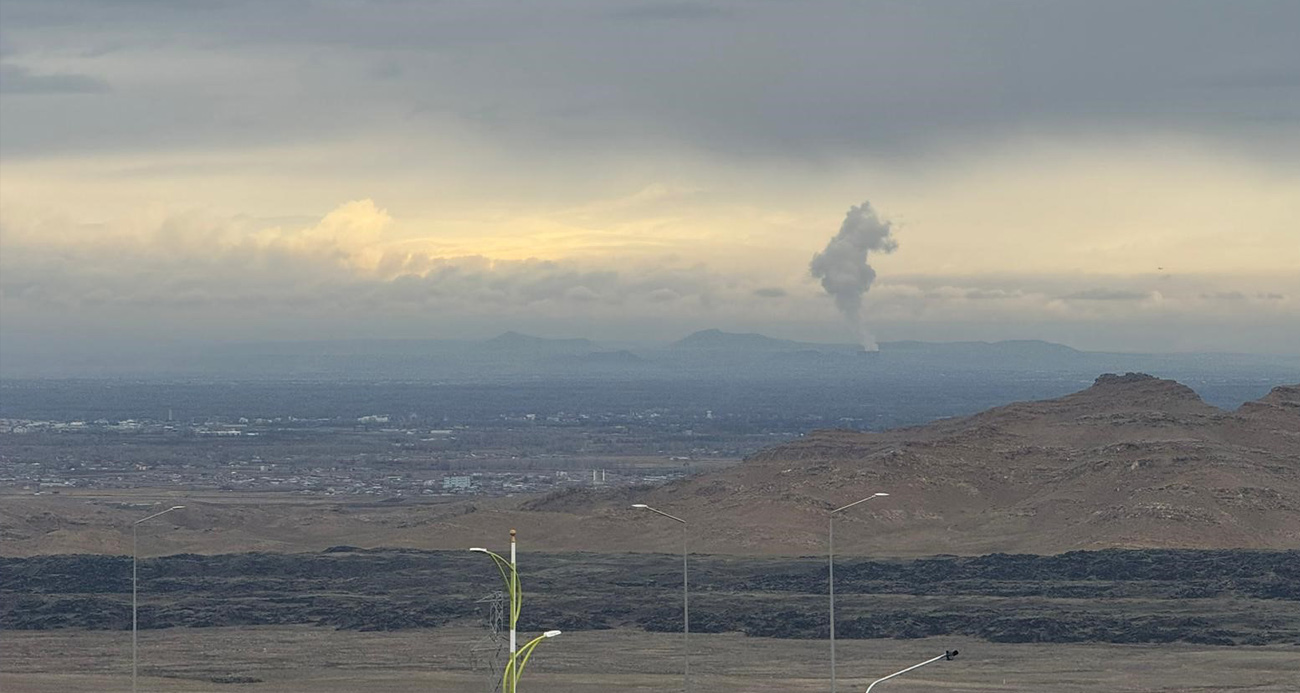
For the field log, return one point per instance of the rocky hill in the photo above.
(1132, 462)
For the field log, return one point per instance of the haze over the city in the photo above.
(1112, 176)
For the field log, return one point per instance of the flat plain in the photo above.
(304, 659)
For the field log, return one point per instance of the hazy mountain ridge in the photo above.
(712, 352)
(518, 342)
(1010, 345)
(715, 339)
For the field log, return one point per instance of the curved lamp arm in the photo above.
(522, 658)
(864, 500)
(643, 506)
(146, 519)
(511, 578)
(946, 655)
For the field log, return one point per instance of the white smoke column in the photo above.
(842, 267)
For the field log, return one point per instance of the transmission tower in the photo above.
(487, 651)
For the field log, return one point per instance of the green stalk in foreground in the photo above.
(508, 682)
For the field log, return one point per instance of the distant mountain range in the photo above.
(1031, 347)
(621, 357)
(711, 353)
(715, 340)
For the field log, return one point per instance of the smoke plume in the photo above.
(842, 267)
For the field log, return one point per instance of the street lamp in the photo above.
(686, 599)
(510, 575)
(945, 656)
(135, 589)
(831, 570)
(524, 653)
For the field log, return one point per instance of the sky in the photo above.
(1110, 175)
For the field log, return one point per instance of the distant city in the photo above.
(371, 455)
(526, 414)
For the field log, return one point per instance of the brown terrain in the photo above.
(306, 659)
(1131, 462)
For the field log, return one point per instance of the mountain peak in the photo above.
(1140, 383)
(1283, 396)
(1132, 391)
(1126, 379)
(512, 337)
(1280, 406)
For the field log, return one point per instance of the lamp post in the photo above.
(510, 574)
(945, 656)
(524, 653)
(686, 599)
(135, 589)
(831, 572)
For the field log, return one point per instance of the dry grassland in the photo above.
(318, 660)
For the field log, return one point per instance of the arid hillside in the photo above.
(1131, 462)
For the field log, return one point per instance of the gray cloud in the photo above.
(991, 295)
(341, 263)
(1242, 296)
(663, 295)
(201, 277)
(924, 76)
(16, 79)
(585, 86)
(1107, 295)
(673, 11)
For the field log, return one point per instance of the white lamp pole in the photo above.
(510, 574)
(686, 599)
(947, 655)
(831, 573)
(135, 589)
(514, 575)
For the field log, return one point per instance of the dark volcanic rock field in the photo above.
(1210, 597)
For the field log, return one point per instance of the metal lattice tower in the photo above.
(487, 651)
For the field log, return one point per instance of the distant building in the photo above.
(457, 484)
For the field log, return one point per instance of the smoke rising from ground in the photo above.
(843, 269)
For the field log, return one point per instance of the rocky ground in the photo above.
(1203, 597)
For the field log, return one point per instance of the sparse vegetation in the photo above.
(1204, 597)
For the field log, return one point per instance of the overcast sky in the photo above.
(1111, 175)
